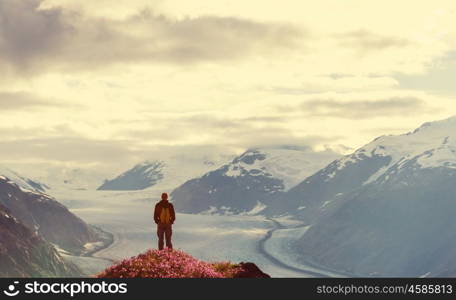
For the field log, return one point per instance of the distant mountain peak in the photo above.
(162, 173)
(141, 176)
(250, 156)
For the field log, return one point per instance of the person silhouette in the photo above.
(164, 217)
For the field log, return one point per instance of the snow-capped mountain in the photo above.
(250, 182)
(23, 182)
(165, 174)
(387, 209)
(430, 146)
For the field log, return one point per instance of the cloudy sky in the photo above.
(108, 83)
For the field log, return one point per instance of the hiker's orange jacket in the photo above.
(158, 208)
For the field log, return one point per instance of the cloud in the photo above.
(177, 126)
(28, 33)
(439, 77)
(228, 123)
(36, 150)
(195, 77)
(35, 39)
(379, 131)
(191, 136)
(335, 82)
(366, 42)
(265, 119)
(21, 100)
(64, 149)
(212, 38)
(212, 122)
(229, 132)
(358, 109)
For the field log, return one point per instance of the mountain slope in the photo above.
(394, 215)
(162, 174)
(249, 183)
(319, 192)
(47, 217)
(140, 177)
(25, 254)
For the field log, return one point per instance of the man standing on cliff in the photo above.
(164, 217)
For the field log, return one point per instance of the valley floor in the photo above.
(128, 216)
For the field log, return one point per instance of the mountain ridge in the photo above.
(250, 182)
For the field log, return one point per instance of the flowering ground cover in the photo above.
(169, 264)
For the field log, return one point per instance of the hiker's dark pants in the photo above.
(164, 231)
